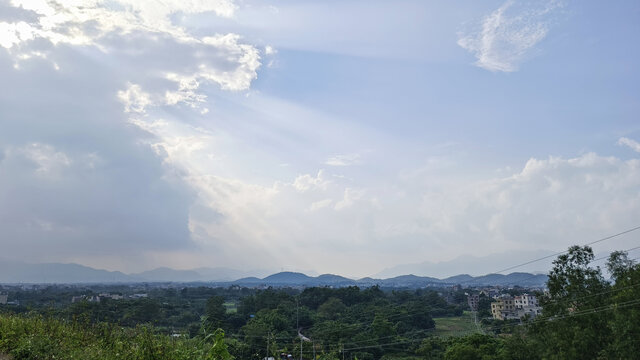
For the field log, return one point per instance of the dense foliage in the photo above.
(37, 337)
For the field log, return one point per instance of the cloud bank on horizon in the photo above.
(208, 133)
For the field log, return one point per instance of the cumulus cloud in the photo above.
(134, 99)
(548, 204)
(130, 28)
(505, 37)
(634, 145)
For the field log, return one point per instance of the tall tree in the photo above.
(574, 325)
(625, 297)
(215, 312)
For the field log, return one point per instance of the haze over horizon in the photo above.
(343, 137)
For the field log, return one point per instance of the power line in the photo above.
(575, 314)
(563, 252)
(592, 261)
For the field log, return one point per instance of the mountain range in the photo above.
(474, 264)
(17, 272)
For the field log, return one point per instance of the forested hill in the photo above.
(408, 281)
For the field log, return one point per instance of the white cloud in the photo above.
(49, 160)
(134, 99)
(507, 35)
(15, 33)
(270, 50)
(220, 58)
(550, 204)
(634, 145)
(348, 199)
(308, 182)
(343, 160)
(317, 205)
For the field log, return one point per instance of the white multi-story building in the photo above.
(3, 298)
(526, 300)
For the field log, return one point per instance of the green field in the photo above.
(231, 307)
(455, 325)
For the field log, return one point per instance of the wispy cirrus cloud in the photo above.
(634, 145)
(505, 37)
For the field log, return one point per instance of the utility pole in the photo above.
(267, 357)
(298, 324)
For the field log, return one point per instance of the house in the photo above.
(504, 308)
(527, 305)
(3, 298)
(507, 307)
(473, 301)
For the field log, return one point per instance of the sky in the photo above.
(328, 136)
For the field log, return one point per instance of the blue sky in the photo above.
(334, 136)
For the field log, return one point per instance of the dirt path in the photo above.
(4, 357)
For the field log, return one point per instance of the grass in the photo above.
(37, 337)
(456, 325)
(231, 307)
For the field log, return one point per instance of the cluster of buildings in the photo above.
(508, 307)
(4, 300)
(102, 296)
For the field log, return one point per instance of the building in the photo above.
(473, 301)
(111, 296)
(504, 308)
(526, 300)
(507, 307)
(89, 298)
(527, 305)
(3, 298)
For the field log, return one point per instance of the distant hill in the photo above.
(16, 272)
(463, 278)
(288, 277)
(19, 272)
(474, 265)
(166, 274)
(335, 280)
(517, 278)
(404, 281)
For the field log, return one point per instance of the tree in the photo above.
(625, 317)
(331, 309)
(218, 350)
(484, 306)
(215, 313)
(573, 325)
